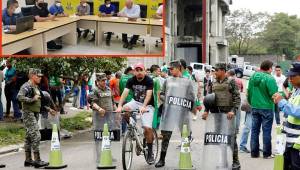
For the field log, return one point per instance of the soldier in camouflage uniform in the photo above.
(227, 101)
(30, 97)
(101, 101)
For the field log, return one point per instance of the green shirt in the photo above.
(262, 86)
(156, 89)
(54, 81)
(122, 86)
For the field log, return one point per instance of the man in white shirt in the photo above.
(280, 78)
(132, 12)
(159, 12)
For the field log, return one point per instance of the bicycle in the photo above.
(132, 134)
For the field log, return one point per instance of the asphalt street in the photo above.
(79, 154)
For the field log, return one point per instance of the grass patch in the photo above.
(14, 133)
(78, 122)
(11, 134)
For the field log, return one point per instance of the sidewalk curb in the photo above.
(20, 146)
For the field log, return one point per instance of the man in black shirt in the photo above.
(41, 14)
(141, 86)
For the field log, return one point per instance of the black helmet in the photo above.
(209, 101)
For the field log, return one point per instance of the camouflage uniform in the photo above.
(30, 97)
(31, 109)
(228, 99)
(104, 99)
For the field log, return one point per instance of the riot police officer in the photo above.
(101, 101)
(227, 100)
(179, 97)
(30, 97)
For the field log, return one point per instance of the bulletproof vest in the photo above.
(36, 105)
(222, 91)
(105, 99)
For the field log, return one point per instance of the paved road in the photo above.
(78, 153)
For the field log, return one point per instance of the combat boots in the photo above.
(236, 165)
(28, 159)
(161, 161)
(37, 160)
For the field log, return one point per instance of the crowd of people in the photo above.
(159, 91)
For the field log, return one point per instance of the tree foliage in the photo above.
(243, 30)
(282, 35)
(70, 68)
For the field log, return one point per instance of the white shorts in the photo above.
(147, 117)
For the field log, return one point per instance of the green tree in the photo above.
(282, 35)
(243, 30)
(70, 68)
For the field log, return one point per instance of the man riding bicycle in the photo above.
(141, 86)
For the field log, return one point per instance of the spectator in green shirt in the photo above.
(128, 73)
(55, 91)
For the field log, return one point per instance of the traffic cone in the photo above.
(280, 147)
(55, 158)
(105, 155)
(185, 159)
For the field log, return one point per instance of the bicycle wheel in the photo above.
(127, 151)
(155, 147)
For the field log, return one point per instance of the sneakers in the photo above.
(130, 46)
(125, 45)
(194, 117)
(269, 157)
(236, 165)
(150, 159)
(244, 150)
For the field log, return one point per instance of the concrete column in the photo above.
(214, 17)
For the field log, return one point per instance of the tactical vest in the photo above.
(292, 127)
(223, 95)
(105, 99)
(36, 105)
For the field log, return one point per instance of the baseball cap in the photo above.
(295, 69)
(139, 65)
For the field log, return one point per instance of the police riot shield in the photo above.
(179, 101)
(98, 123)
(218, 142)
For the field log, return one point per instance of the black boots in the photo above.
(150, 159)
(28, 159)
(2, 166)
(37, 161)
(236, 165)
(161, 161)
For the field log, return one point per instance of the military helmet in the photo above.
(100, 76)
(222, 66)
(209, 101)
(35, 71)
